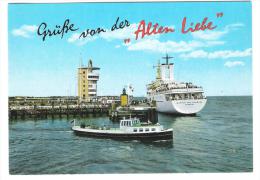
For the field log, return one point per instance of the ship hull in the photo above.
(181, 107)
(155, 136)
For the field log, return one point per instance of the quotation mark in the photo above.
(220, 14)
(126, 41)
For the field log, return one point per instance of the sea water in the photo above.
(217, 139)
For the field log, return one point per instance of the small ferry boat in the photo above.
(130, 129)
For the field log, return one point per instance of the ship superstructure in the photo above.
(174, 97)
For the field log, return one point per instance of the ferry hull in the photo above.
(155, 136)
(181, 107)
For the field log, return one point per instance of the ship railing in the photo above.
(105, 127)
(170, 90)
(185, 98)
(160, 89)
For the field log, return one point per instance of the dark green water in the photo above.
(218, 139)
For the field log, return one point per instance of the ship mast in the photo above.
(167, 69)
(167, 57)
(158, 71)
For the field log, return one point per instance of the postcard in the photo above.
(130, 87)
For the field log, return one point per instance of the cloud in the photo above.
(169, 46)
(201, 39)
(195, 54)
(125, 33)
(151, 43)
(120, 34)
(215, 35)
(74, 38)
(225, 54)
(25, 31)
(234, 63)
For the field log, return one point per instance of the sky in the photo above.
(219, 60)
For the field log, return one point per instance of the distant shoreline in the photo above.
(118, 96)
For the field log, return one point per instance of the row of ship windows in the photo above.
(142, 130)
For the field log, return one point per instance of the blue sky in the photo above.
(219, 60)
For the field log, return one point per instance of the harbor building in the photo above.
(87, 82)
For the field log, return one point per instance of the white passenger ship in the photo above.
(174, 97)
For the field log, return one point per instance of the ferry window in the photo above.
(146, 129)
(135, 130)
(141, 130)
(153, 129)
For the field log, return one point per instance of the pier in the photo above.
(42, 107)
(43, 111)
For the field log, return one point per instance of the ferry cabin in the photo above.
(134, 126)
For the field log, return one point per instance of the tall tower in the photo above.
(87, 81)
